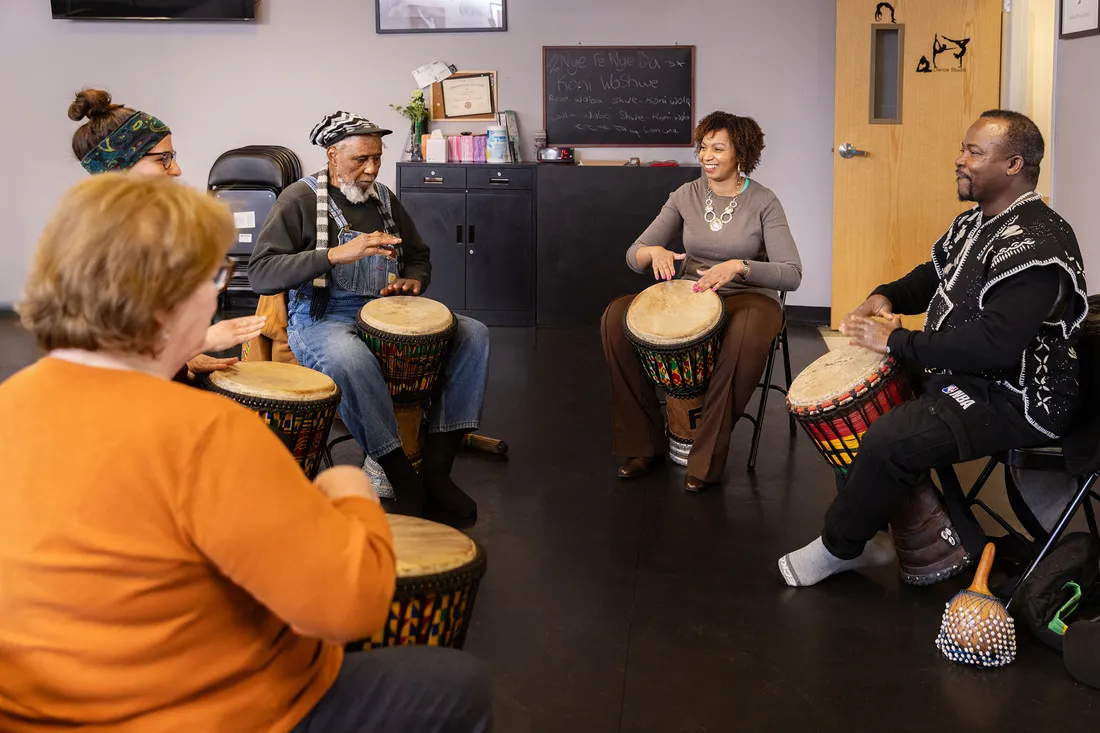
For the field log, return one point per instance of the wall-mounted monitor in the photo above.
(184, 10)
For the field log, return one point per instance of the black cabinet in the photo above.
(479, 221)
(588, 216)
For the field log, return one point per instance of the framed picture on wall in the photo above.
(465, 96)
(1079, 18)
(440, 16)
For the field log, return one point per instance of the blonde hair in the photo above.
(117, 253)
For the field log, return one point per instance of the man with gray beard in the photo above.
(333, 241)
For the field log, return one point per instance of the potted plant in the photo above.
(417, 113)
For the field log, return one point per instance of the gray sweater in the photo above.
(757, 233)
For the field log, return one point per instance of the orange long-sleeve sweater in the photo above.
(164, 563)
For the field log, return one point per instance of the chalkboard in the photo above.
(635, 96)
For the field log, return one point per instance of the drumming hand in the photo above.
(401, 286)
(203, 364)
(712, 278)
(876, 305)
(870, 333)
(229, 333)
(664, 262)
(365, 245)
(340, 481)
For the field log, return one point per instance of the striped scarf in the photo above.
(380, 196)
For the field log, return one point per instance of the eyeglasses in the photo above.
(224, 273)
(167, 158)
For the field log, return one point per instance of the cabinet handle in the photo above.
(458, 234)
(472, 234)
(433, 179)
(498, 181)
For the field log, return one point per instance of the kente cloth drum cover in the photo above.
(297, 403)
(411, 336)
(676, 333)
(439, 570)
(837, 397)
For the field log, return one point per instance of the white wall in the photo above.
(223, 85)
(1077, 150)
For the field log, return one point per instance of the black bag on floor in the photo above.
(1060, 588)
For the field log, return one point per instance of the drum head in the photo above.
(406, 315)
(427, 548)
(834, 375)
(671, 313)
(274, 381)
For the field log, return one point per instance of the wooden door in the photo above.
(911, 76)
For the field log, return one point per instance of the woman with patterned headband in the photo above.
(117, 138)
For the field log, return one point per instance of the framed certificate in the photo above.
(1079, 18)
(465, 95)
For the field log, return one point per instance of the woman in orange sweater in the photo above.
(165, 564)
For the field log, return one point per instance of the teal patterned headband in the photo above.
(124, 147)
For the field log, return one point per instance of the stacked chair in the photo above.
(248, 180)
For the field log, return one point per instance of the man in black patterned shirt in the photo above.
(1005, 296)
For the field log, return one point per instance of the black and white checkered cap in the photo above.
(339, 125)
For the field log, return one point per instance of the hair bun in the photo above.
(91, 103)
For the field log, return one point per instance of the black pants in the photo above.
(954, 419)
(408, 689)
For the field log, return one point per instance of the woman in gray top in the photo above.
(737, 243)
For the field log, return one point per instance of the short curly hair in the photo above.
(744, 132)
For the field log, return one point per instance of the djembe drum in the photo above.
(298, 404)
(676, 333)
(835, 400)
(439, 570)
(411, 337)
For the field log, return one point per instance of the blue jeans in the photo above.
(405, 689)
(332, 346)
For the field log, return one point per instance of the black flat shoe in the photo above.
(635, 467)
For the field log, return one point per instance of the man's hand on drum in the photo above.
(870, 333)
(876, 305)
(365, 245)
(664, 262)
(233, 332)
(712, 278)
(401, 286)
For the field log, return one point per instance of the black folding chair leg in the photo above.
(1056, 533)
(987, 471)
(787, 370)
(758, 424)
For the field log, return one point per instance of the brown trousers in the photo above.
(753, 322)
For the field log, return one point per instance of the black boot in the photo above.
(444, 498)
(408, 489)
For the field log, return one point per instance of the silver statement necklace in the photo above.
(717, 221)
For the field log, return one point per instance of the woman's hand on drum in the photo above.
(233, 332)
(664, 262)
(712, 278)
(340, 481)
(203, 364)
(401, 286)
(870, 333)
(365, 245)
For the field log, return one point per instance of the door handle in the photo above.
(433, 180)
(847, 150)
(458, 234)
(498, 181)
(471, 239)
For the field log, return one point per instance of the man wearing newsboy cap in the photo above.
(333, 241)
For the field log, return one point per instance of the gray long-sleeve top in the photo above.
(757, 233)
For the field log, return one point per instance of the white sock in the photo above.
(813, 563)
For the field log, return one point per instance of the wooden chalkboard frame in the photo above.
(688, 144)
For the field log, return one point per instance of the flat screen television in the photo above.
(188, 10)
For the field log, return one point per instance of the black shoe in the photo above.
(408, 489)
(442, 494)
